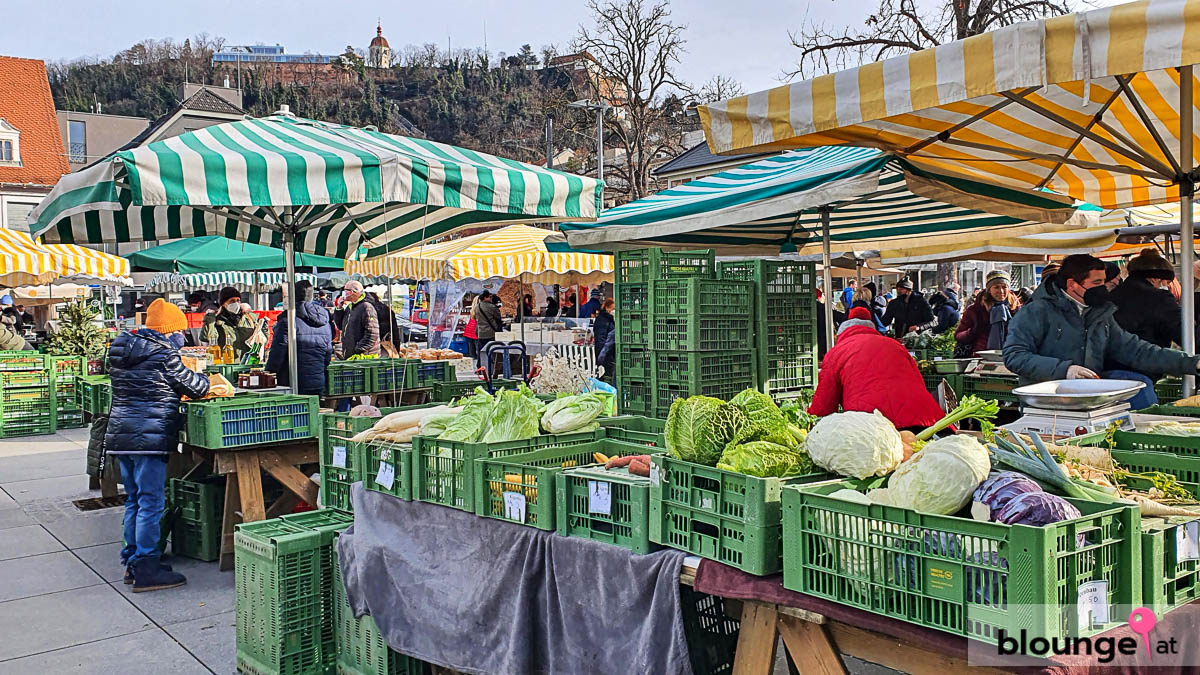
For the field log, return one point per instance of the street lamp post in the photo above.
(600, 107)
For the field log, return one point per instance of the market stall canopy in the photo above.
(1025, 248)
(876, 199)
(334, 187)
(220, 254)
(868, 270)
(49, 294)
(516, 251)
(1085, 104)
(27, 262)
(246, 282)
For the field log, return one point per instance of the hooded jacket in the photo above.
(1049, 334)
(360, 333)
(228, 328)
(487, 321)
(10, 336)
(147, 380)
(1147, 312)
(314, 340)
(866, 371)
(946, 310)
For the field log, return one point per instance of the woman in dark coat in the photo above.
(148, 378)
(1144, 306)
(314, 340)
(601, 327)
(985, 323)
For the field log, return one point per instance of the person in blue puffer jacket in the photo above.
(148, 378)
(314, 339)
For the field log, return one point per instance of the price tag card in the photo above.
(386, 476)
(655, 474)
(1093, 603)
(1187, 541)
(339, 456)
(514, 506)
(600, 497)
(707, 502)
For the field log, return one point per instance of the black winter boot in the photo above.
(128, 579)
(150, 575)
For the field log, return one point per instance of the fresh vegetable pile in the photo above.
(749, 434)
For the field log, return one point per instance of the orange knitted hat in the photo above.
(165, 318)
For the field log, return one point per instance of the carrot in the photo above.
(618, 462)
(640, 466)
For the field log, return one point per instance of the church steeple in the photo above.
(380, 53)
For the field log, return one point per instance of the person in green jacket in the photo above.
(230, 324)
(1067, 331)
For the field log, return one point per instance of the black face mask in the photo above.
(1095, 296)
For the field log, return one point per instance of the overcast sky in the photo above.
(743, 39)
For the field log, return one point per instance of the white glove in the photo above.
(1080, 373)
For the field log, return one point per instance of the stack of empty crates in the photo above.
(65, 372)
(785, 322)
(26, 400)
(681, 330)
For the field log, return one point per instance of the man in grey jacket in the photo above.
(1067, 331)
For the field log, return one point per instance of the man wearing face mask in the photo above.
(1067, 331)
(148, 378)
(230, 325)
(360, 328)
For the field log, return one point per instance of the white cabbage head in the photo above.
(855, 444)
(941, 477)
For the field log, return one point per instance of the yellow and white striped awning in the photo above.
(29, 263)
(516, 251)
(1086, 104)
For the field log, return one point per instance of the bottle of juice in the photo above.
(227, 356)
(214, 354)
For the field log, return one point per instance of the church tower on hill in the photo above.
(380, 54)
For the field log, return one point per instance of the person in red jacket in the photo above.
(866, 371)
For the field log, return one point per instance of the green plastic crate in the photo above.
(618, 513)
(336, 431)
(1169, 389)
(785, 290)
(694, 333)
(453, 390)
(1168, 581)
(532, 476)
(788, 368)
(649, 264)
(665, 394)
(951, 574)
(327, 523)
(712, 634)
(1187, 446)
(426, 373)
(443, 471)
(23, 360)
(997, 387)
(634, 330)
(349, 377)
(634, 297)
(699, 372)
(700, 297)
(277, 578)
(249, 420)
(95, 394)
(635, 397)
(1171, 410)
(635, 363)
(721, 515)
(392, 374)
(933, 380)
(635, 429)
(361, 649)
(66, 366)
(26, 405)
(196, 531)
(383, 460)
(229, 371)
(14, 379)
(69, 420)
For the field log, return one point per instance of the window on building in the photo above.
(77, 142)
(16, 214)
(6, 151)
(10, 143)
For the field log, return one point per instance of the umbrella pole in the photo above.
(289, 252)
(827, 278)
(1186, 228)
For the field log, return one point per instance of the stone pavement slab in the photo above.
(37, 445)
(41, 574)
(212, 639)
(44, 465)
(7, 502)
(104, 560)
(149, 652)
(64, 619)
(76, 528)
(10, 518)
(59, 488)
(18, 542)
(208, 591)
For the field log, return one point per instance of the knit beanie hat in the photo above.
(1151, 265)
(996, 277)
(165, 318)
(596, 293)
(227, 294)
(6, 300)
(861, 313)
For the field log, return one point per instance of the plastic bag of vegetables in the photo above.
(856, 444)
(572, 413)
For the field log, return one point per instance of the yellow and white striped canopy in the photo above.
(509, 252)
(1085, 104)
(29, 263)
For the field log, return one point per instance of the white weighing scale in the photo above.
(1074, 407)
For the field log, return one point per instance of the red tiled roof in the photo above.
(25, 103)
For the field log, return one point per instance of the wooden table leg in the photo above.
(755, 653)
(230, 519)
(284, 505)
(249, 476)
(810, 647)
(288, 475)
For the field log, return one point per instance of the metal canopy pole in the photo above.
(289, 252)
(1187, 255)
(827, 278)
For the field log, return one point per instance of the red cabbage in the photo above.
(1037, 509)
(1000, 487)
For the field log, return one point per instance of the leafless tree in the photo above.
(719, 88)
(636, 47)
(900, 26)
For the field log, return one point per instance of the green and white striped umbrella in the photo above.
(246, 282)
(336, 188)
(875, 201)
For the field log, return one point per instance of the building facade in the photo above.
(90, 136)
(32, 155)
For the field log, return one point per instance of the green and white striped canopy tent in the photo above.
(246, 282)
(303, 185)
(824, 200)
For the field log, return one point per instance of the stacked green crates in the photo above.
(785, 322)
(361, 649)
(249, 419)
(26, 394)
(196, 532)
(95, 394)
(65, 372)
(327, 523)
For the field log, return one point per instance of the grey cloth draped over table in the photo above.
(481, 595)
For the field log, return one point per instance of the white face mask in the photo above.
(234, 307)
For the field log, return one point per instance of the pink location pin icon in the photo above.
(1142, 621)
